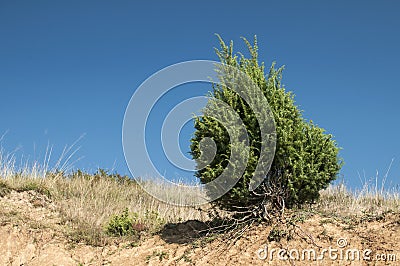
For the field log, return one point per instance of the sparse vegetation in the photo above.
(110, 210)
(277, 234)
(87, 202)
(161, 255)
(102, 209)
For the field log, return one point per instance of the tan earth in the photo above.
(31, 233)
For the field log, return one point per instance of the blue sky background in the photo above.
(69, 68)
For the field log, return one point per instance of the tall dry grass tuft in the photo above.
(374, 198)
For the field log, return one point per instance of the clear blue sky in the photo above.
(69, 68)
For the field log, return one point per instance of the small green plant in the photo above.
(127, 223)
(122, 225)
(326, 221)
(203, 241)
(185, 257)
(299, 217)
(4, 189)
(324, 234)
(277, 234)
(160, 254)
(132, 244)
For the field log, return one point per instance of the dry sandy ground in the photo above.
(31, 233)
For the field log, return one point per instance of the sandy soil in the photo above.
(32, 233)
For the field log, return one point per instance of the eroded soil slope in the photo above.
(32, 233)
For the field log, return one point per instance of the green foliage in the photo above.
(103, 174)
(277, 235)
(35, 186)
(126, 223)
(153, 218)
(122, 225)
(306, 158)
(161, 255)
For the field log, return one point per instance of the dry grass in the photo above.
(341, 201)
(87, 202)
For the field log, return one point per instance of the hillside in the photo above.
(35, 230)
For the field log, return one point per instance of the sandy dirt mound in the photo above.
(32, 233)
